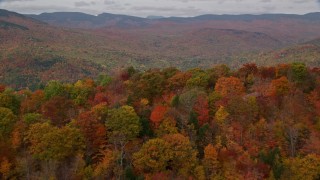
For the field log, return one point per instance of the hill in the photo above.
(308, 52)
(33, 52)
(290, 28)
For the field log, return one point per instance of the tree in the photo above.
(154, 156)
(267, 72)
(229, 86)
(52, 143)
(247, 73)
(189, 98)
(274, 160)
(59, 110)
(2, 88)
(282, 70)
(5, 168)
(93, 130)
(300, 76)
(32, 118)
(54, 88)
(7, 121)
(167, 126)
(54, 147)
(107, 165)
(150, 85)
(158, 114)
(199, 79)
(210, 160)
(184, 158)
(221, 115)
(177, 82)
(10, 100)
(307, 167)
(33, 103)
(104, 80)
(298, 72)
(172, 152)
(81, 91)
(280, 87)
(201, 107)
(123, 125)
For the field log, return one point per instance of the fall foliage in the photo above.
(217, 123)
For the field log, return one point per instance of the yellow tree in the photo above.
(172, 152)
(307, 168)
(154, 156)
(52, 143)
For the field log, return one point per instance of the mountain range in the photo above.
(68, 46)
(82, 20)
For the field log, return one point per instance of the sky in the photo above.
(166, 8)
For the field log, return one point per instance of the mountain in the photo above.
(250, 17)
(308, 52)
(86, 21)
(155, 17)
(82, 20)
(289, 28)
(33, 52)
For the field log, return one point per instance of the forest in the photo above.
(216, 123)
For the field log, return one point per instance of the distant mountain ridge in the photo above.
(87, 21)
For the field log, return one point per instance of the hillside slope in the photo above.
(308, 52)
(33, 52)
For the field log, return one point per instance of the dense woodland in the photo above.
(58, 46)
(250, 123)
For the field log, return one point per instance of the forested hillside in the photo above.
(33, 52)
(214, 123)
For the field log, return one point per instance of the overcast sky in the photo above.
(163, 7)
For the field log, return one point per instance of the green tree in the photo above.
(10, 100)
(54, 88)
(123, 125)
(199, 79)
(7, 121)
(32, 118)
(298, 72)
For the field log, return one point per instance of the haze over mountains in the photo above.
(67, 46)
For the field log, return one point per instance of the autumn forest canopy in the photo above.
(218, 123)
(130, 98)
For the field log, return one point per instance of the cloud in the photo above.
(109, 2)
(84, 4)
(187, 1)
(164, 7)
(150, 8)
(9, 1)
(165, 11)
